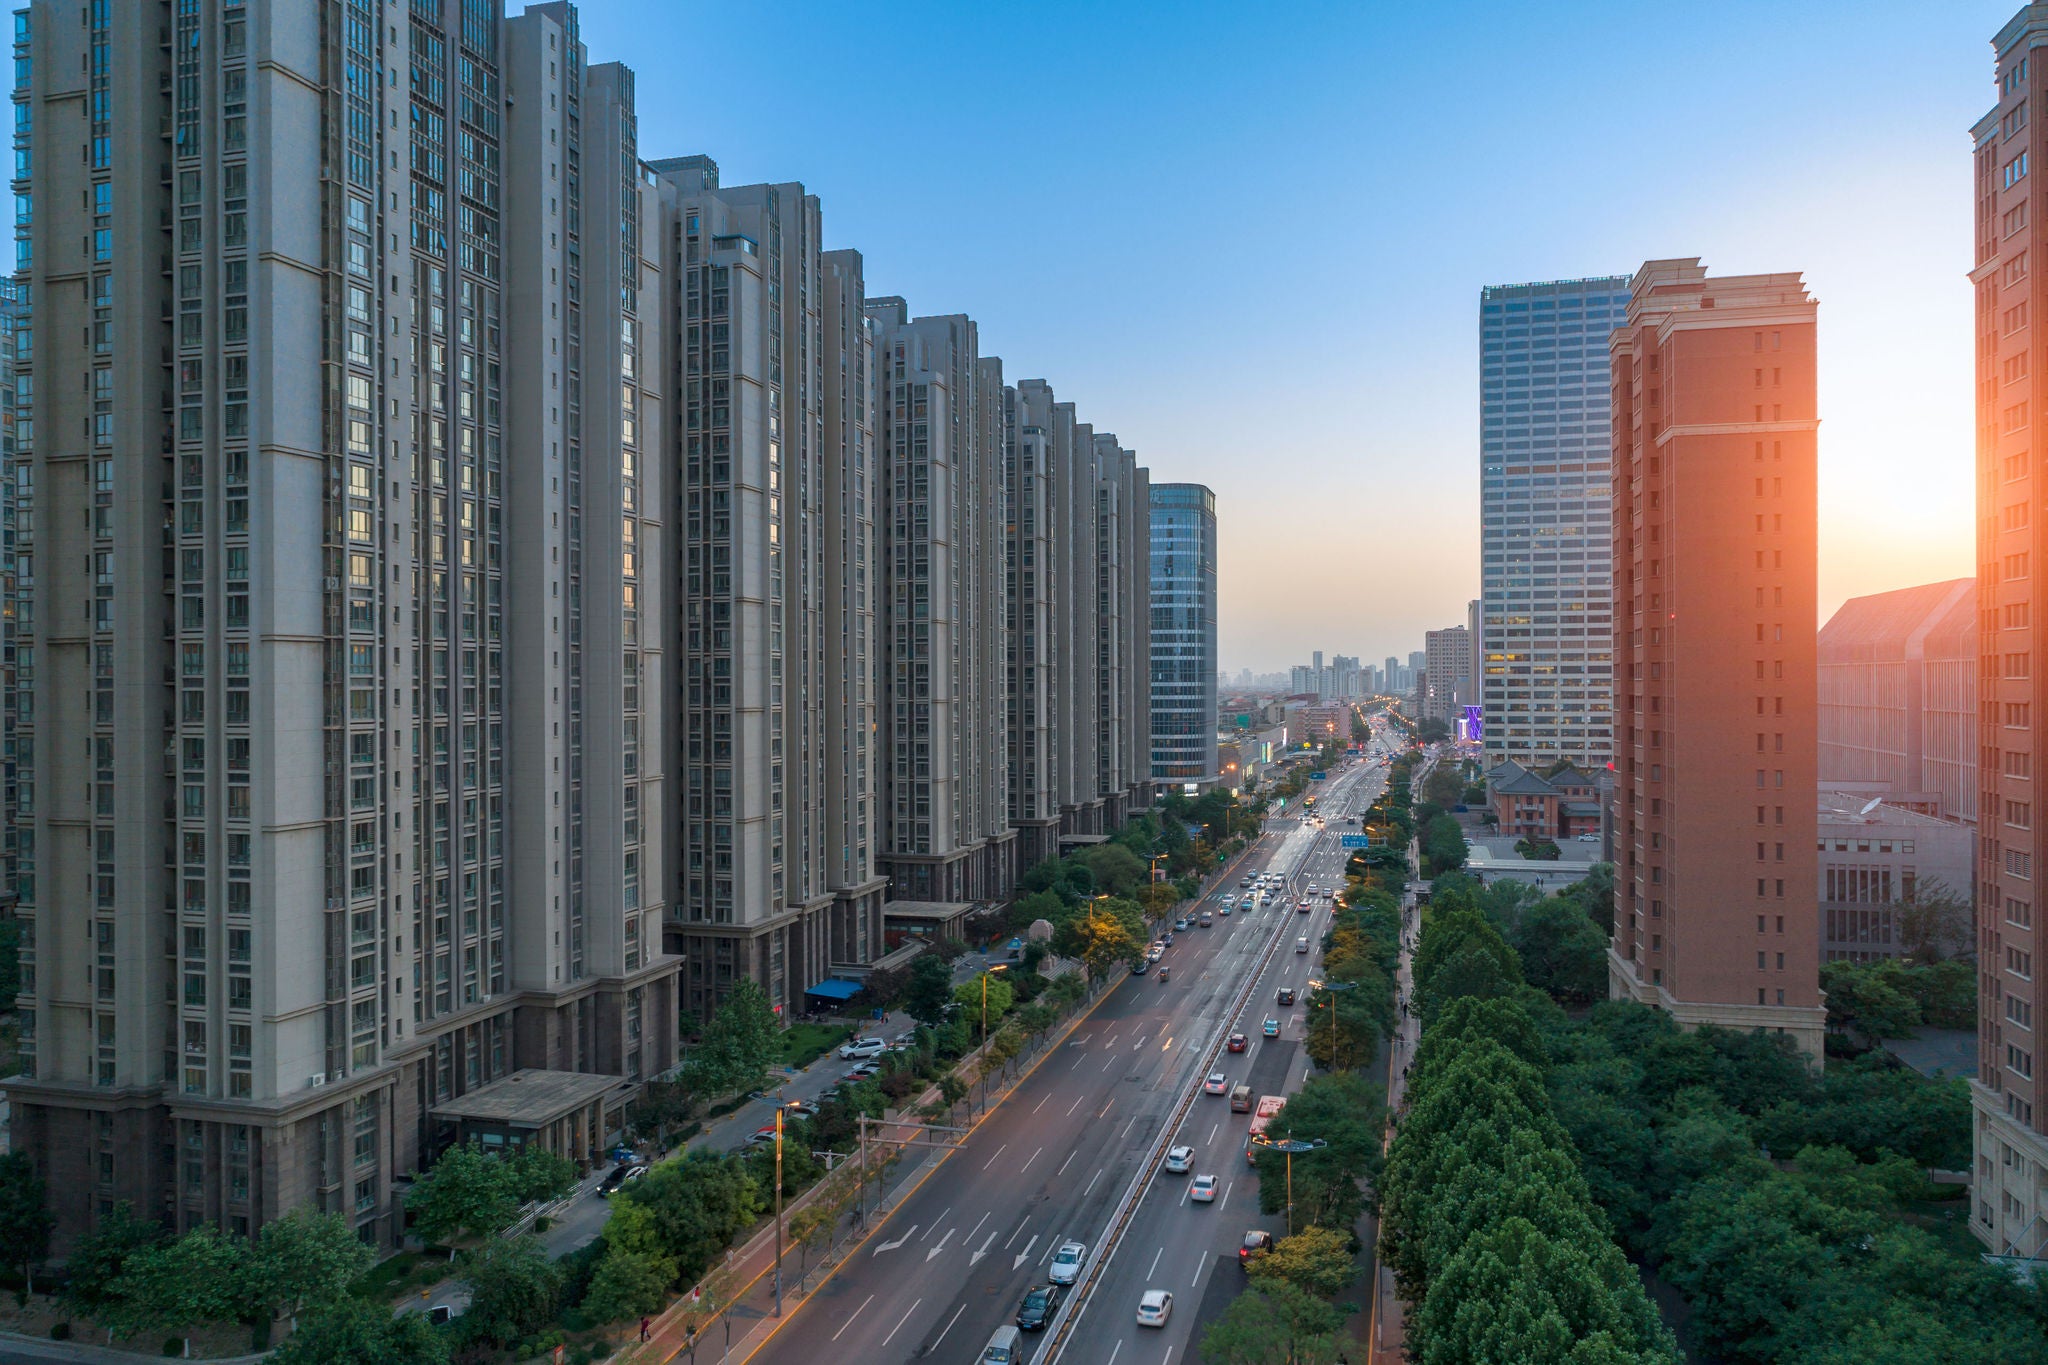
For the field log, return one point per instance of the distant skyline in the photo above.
(1259, 262)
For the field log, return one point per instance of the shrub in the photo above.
(60, 1331)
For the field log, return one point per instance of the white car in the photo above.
(1179, 1159)
(1217, 1084)
(1067, 1262)
(1154, 1308)
(862, 1048)
(1203, 1189)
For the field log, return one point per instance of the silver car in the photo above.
(1067, 1262)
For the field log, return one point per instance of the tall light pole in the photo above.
(778, 1216)
(1290, 1146)
(1333, 986)
(984, 998)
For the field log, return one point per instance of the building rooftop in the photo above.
(530, 1098)
(1855, 808)
(1887, 626)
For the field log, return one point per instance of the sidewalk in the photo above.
(1385, 1324)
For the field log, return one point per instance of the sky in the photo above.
(1250, 239)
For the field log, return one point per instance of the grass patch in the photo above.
(803, 1044)
(401, 1276)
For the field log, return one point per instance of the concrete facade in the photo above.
(1875, 861)
(2009, 1096)
(1446, 681)
(1714, 574)
(1896, 685)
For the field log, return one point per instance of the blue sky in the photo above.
(1249, 239)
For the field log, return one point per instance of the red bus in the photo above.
(1268, 1110)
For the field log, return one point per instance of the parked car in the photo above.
(1036, 1311)
(862, 1047)
(1271, 1028)
(863, 1072)
(799, 1109)
(623, 1172)
(1237, 1042)
(1141, 966)
(1285, 995)
(1154, 1307)
(1217, 1084)
(1257, 1243)
(1067, 1262)
(1181, 923)
(762, 1136)
(1202, 1189)
(1179, 1160)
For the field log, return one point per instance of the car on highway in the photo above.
(1179, 1159)
(1314, 890)
(1067, 1262)
(1285, 995)
(1246, 903)
(1204, 920)
(1167, 938)
(1237, 1042)
(1301, 944)
(1305, 907)
(1006, 1347)
(1141, 966)
(862, 1047)
(1217, 1084)
(1181, 924)
(1202, 1189)
(1035, 1313)
(1164, 973)
(1155, 1306)
(1257, 1243)
(1271, 1028)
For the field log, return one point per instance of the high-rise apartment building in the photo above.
(288, 387)
(1714, 566)
(772, 877)
(1183, 625)
(1448, 654)
(945, 824)
(1040, 452)
(1390, 676)
(2009, 1095)
(1544, 499)
(1896, 690)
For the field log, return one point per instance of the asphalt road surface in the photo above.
(1054, 1160)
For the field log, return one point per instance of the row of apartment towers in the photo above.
(474, 594)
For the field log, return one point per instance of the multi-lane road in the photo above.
(1057, 1159)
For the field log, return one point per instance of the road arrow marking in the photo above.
(975, 1259)
(1025, 1254)
(941, 1246)
(891, 1246)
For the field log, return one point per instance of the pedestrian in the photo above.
(643, 1328)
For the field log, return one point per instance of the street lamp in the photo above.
(1333, 986)
(984, 998)
(1290, 1146)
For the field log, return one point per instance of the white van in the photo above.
(1301, 944)
(1006, 1347)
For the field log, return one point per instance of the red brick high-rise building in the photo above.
(1714, 565)
(2009, 1096)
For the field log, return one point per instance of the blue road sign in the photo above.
(1354, 841)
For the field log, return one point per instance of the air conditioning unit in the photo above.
(317, 1080)
(332, 583)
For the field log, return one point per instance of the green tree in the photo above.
(999, 997)
(1936, 925)
(352, 1331)
(698, 1204)
(1561, 950)
(634, 1273)
(24, 1214)
(536, 1175)
(513, 1287)
(1103, 935)
(1116, 870)
(1274, 1322)
(660, 1107)
(1037, 905)
(738, 1045)
(1443, 787)
(930, 989)
(176, 1286)
(1869, 998)
(297, 1260)
(98, 1258)
(1347, 1114)
(465, 1194)
(1316, 1259)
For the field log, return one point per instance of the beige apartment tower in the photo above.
(2009, 1096)
(292, 391)
(1714, 429)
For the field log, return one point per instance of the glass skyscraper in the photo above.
(1183, 633)
(1545, 538)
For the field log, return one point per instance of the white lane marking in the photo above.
(1041, 1103)
(1127, 1128)
(1112, 1353)
(1200, 1266)
(1155, 1263)
(1226, 1195)
(1105, 1108)
(900, 1321)
(976, 1228)
(856, 1313)
(891, 1246)
(1028, 1160)
(1214, 1129)
(1018, 1233)
(949, 1326)
(1075, 1105)
(1091, 1184)
(1077, 1058)
(935, 1226)
(992, 1160)
(1109, 1063)
(1070, 1156)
